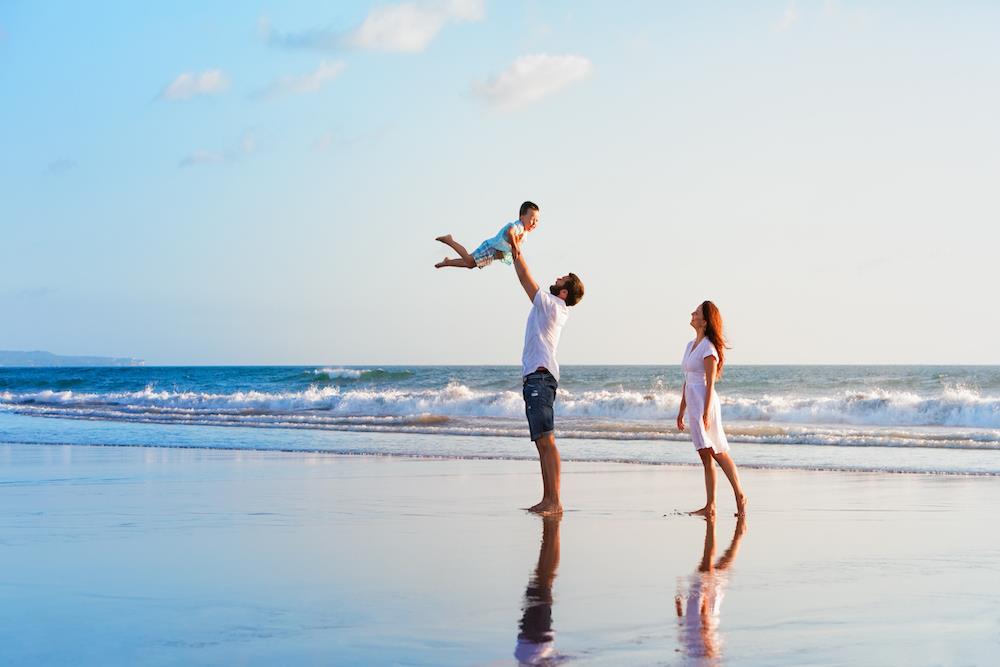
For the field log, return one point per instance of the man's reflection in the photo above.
(535, 641)
(699, 608)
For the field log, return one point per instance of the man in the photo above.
(540, 372)
(536, 639)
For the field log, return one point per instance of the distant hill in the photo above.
(38, 358)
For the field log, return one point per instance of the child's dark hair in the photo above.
(527, 206)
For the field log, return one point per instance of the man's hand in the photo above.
(515, 245)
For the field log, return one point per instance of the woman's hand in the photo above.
(680, 421)
(704, 420)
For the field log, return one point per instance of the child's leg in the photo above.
(460, 263)
(457, 247)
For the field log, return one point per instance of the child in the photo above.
(505, 246)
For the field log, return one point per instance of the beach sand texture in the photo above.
(154, 556)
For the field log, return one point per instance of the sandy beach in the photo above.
(123, 555)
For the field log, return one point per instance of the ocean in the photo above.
(943, 419)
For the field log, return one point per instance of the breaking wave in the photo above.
(955, 418)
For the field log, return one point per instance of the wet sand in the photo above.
(123, 555)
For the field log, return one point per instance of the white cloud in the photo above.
(853, 17)
(788, 18)
(247, 145)
(324, 142)
(531, 78)
(191, 84)
(202, 157)
(340, 139)
(406, 27)
(61, 166)
(303, 83)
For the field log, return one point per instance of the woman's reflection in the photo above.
(698, 610)
(535, 641)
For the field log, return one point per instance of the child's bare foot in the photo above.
(443, 239)
(443, 263)
(741, 506)
(707, 510)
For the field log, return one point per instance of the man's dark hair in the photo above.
(527, 206)
(574, 289)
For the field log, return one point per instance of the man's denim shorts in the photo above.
(539, 396)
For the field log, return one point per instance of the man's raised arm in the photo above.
(524, 275)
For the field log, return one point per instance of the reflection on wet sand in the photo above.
(698, 609)
(536, 639)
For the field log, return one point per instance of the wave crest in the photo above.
(956, 407)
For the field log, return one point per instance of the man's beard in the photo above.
(554, 290)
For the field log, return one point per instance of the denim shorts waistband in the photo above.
(539, 375)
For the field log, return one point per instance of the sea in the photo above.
(906, 419)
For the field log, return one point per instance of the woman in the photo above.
(704, 358)
(699, 627)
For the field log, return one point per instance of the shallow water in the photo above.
(23, 429)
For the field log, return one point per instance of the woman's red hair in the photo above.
(713, 330)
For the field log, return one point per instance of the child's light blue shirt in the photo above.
(500, 244)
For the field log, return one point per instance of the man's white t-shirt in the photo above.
(541, 335)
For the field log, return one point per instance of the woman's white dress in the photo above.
(693, 366)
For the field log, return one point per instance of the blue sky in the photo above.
(230, 183)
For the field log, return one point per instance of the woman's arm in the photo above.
(680, 411)
(710, 365)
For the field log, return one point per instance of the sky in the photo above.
(240, 183)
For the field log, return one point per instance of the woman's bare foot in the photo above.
(443, 263)
(443, 239)
(741, 506)
(707, 510)
(546, 508)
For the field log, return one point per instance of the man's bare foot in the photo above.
(443, 239)
(547, 508)
(741, 506)
(443, 263)
(707, 510)
(535, 507)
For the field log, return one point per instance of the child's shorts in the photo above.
(539, 397)
(484, 254)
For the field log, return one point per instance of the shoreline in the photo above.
(525, 458)
(976, 462)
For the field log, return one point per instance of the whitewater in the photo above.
(895, 407)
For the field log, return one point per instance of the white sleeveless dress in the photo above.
(693, 366)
